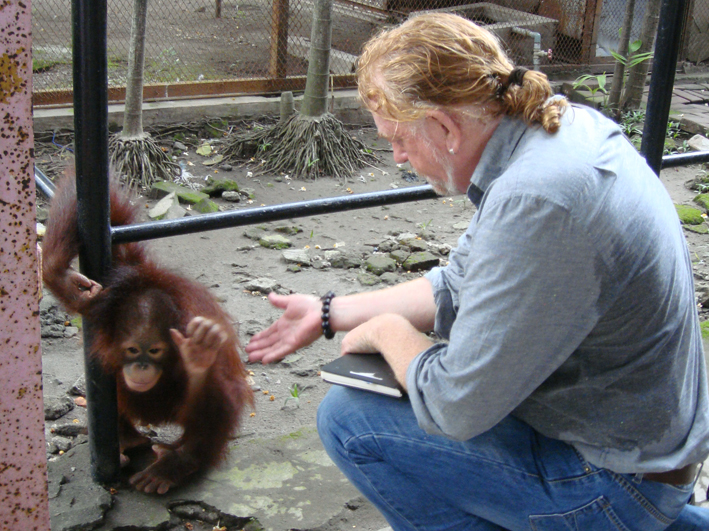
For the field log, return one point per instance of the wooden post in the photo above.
(279, 39)
(589, 38)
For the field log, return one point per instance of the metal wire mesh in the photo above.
(197, 47)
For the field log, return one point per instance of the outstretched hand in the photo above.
(200, 345)
(298, 327)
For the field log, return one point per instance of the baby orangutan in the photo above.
(171, 347)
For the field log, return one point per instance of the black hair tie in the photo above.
(515, 78)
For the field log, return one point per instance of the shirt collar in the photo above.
(496, 156)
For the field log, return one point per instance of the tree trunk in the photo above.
(133, 114)
(633, 93)
(619, 70)
(316, 84)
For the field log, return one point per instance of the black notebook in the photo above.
(370, 372)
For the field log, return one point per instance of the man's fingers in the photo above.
(279, 301)
(262, 340)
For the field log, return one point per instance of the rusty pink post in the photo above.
(23, 459)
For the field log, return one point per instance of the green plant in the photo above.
(424, 227)
(41, 65)
(294, 395)
(704, 326)
(700, 182)
(633, 58)
(631, 123)
(674, 131)
(166, 66)
(599, 86)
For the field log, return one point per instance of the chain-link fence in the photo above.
(209, 47)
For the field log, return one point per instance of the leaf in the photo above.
(622, 60)
(205, 150)
(214, 160)
(637, 59)
(634, 46)
(602, 82)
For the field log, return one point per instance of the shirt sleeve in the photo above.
(516, 300)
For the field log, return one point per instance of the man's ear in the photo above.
(448, 128)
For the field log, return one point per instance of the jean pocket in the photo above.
(597, 515)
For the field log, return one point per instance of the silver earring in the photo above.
(450, 150)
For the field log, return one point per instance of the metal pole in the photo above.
(667, 43)
(91, 150)
(685, 159)
(222, 220)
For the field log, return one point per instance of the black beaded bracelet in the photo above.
(325, 316)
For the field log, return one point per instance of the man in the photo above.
(568, 390)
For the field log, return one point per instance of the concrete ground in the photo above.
(285, 483)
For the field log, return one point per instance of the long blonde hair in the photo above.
(440, 60)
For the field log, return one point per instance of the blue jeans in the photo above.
(509, 478)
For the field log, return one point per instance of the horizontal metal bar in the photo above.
(685, 159)
(221, 220)
(44, 183)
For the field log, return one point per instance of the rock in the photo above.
(702, 293)
(53, 331)
(699, 229)
(296, 256)
(185, 195)
(57, 406)
(254, 233)
(320, 264)
(70, 429)
(216, 188)
(248, 193)
(342, 260)
(290, 230)
(51, 447)
(461, 225)
(698, 143)
(390, 278)
(402, 236)
(79, 387)
(443, 249)
(387, 246)
(71, 331)
(380, 263)
(179, 146)
(689, 215)
(233, 197)
(226, 167)
(262, 285)
(206, 206)
(274, 241)
(703, 201)
(421, 261)
(60, 444)
(368, 279)
(159, 211)
(415, 244)
(399, 255)
(42, 214)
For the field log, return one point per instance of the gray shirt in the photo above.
(569, 304)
